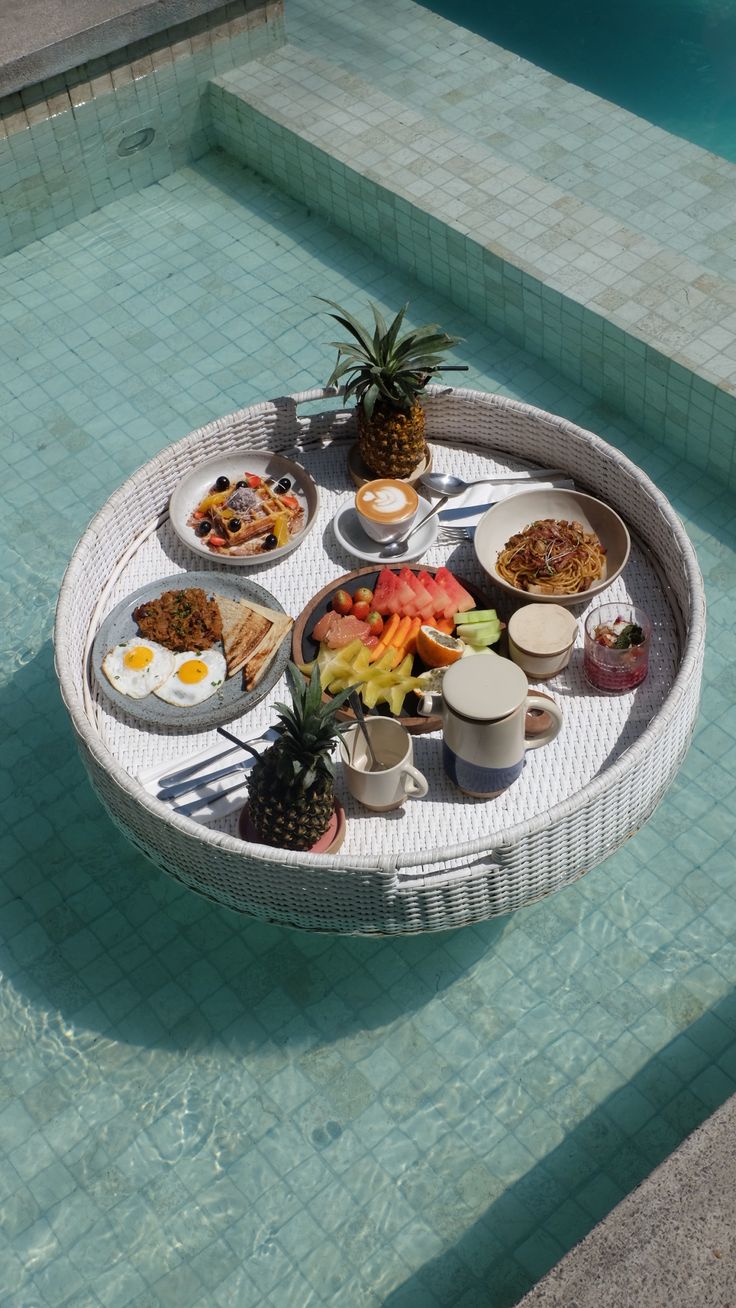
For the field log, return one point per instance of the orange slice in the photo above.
(437, 649)
(281, 528)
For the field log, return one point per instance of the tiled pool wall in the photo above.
(60, 139)
(641, 327)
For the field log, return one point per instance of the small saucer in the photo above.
(351, 536)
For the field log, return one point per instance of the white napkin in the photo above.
(462, 510)
(216, 803)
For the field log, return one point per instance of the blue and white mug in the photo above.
(489, 720)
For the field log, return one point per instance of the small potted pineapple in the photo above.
(387, 373)
(291, 796)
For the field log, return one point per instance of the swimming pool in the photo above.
(672, 63)
(198, 1110)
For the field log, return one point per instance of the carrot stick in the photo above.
(386, 635)
(400, 634)
(410, 644)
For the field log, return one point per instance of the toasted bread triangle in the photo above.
(244, 626)
(262, 655)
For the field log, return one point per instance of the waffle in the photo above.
(258, 519)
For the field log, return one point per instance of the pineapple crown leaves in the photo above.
(384, 365)
(307, 730)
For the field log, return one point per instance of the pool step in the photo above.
(624, 318)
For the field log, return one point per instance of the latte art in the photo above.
(386, 501)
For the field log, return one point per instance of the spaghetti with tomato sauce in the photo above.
(552, 557)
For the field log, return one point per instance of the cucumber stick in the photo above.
(475, 615)
(480, 634)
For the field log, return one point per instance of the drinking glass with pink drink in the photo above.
(616, 653)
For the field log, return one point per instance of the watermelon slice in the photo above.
(445, 605)
(385, 592)
(438, 599)
(405, 598)
(422, 601)
(461, 599)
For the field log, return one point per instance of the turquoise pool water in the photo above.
(197, 1109)
(672, 63)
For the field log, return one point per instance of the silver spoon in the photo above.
(443, 483)
(391, 549)
(357, 707)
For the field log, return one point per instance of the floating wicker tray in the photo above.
(447, 860)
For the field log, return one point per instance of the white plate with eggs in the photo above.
(186, 691)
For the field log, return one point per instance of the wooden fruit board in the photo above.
(304, 648)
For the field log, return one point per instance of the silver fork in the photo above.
(454, 535)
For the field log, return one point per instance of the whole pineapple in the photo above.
(291, 786)
(387, 373)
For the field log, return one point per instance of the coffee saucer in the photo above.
(357, 542)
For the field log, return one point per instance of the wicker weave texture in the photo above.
(485, 859)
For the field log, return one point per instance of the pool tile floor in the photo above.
(198, 1109)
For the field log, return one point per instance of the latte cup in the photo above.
(386, 507)
(395, 780)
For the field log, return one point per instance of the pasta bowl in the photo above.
(519, 511)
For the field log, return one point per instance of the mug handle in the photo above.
(534, 737)
(415, 784)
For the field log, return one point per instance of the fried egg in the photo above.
(138, 666)
(195, 676)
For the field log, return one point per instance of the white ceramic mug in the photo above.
(489, 720)
(397, 778)
(386, 507)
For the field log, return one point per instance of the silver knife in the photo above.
(181, 787)
(194, 767)
(268, 733)
(465, 511)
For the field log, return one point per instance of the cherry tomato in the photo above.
(363, 596)
(342, 602)
(360, 609)
(375, 622)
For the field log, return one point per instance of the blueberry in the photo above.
(234, 525)
(203, 528)
(283, 486)
(240, 484)
(270, 542)
(222, 484)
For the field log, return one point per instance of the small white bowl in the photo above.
(541, 637)
(509, 516)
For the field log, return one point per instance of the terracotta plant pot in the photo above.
(328, 843)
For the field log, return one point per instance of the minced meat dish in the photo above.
(180, 620)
